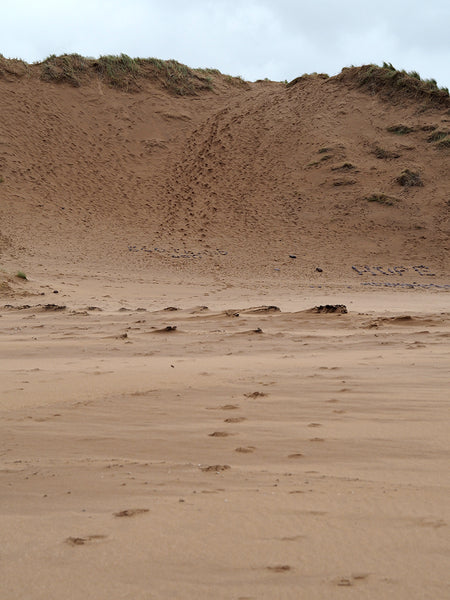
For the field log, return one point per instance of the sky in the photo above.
(254, 39)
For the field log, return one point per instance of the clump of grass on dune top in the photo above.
(390, 82)
(67, 68)
(178, 78)
(121, 71)
(12, 66)
(126, 73)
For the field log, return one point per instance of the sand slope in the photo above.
(258, 171)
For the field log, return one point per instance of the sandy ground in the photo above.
(224, 449)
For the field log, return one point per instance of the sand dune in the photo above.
(224, 371)
(239, 174)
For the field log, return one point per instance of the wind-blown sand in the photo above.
(177, 420)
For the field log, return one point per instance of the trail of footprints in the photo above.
(248, 449)
(223, 434)
(276, 569)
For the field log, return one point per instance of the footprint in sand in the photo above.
(131, 512)
(279, 568)
(245, 450)
(315, 425)
(255, 395)
(215, 468)
(235, 420)
(220, 434)
(344, 582)
(80, 541)
(349, 581)
(296, 455)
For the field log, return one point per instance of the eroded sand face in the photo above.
(235, 451)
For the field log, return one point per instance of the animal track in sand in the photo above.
(255, 395)
(131, 512)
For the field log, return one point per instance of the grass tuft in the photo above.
(385, 154)
(382, 199)
(437, 136)
(409, 178)
(400, 129)
(67, 68)
(344, 167)
(21, 275)
(443, 144)
(119, 71)
(13, 66)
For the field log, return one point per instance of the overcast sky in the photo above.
(278, 39)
